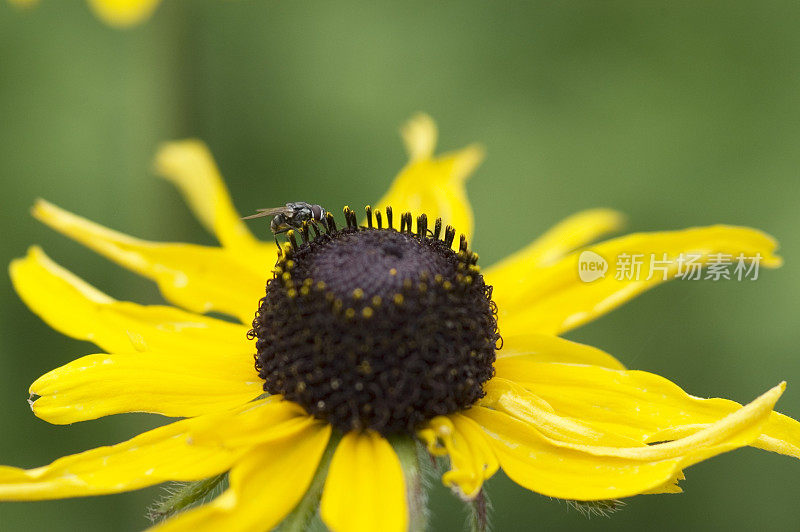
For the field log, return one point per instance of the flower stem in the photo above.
(300, 518)
(182, 496)
(409, 454)
(479, 512)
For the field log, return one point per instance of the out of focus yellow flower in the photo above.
(118, 13)
(123, 12)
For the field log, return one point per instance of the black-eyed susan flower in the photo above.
(119, 13)
(372, 335)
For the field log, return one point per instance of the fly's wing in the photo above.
(261, 213)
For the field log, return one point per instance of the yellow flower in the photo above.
(369, 338)
(119, 13)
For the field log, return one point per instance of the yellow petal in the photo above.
(641, 405)
(511, 398)
(781, 435)
(176, 384)
(189, 165)
(365, 490)
(265, 485)
(497, 387)
(198, 278)
(419, 136)
(554, 299)
(670, 486)
(576, 231)
(734, 430)
(533, 462)
(587, 472)
(261, 421)
(433, 185)
(547, 348)
(77, 309)
(123, 13)
(151, 458)
(574, 434)
(471, 459)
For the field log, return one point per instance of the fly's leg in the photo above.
(315, 227)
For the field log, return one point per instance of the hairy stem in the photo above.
(409, 454)
(182, 496)
(479, 512)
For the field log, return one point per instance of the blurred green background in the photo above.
(677, 114)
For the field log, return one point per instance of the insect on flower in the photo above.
(290, 216)
(375, 348)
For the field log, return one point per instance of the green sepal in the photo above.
(182, 495)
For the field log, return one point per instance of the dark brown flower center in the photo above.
(377, 328)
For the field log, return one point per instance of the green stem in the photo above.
(182, 496)
(479, 513)
(300, 518)
(409, 454)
